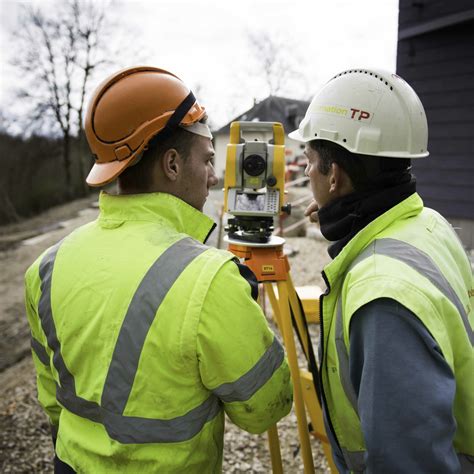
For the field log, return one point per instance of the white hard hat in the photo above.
(371, 112)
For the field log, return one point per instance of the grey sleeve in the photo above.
(405, 392)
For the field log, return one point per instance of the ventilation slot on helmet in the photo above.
(364, 71)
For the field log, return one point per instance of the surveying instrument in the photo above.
(254, 190)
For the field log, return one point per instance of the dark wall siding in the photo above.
(443, 114)
(461, 65)
(461, 149)
(440, 67)
(413, 12)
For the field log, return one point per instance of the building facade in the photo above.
(436, 56)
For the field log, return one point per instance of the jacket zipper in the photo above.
(214, 225)
(321, 341)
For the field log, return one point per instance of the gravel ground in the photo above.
(25, 445)
(25, 441)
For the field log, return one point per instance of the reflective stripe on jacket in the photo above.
(149, 335)
(409, 254)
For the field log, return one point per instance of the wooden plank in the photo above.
(443, 146)
(441, 115)
(440, 69)
(458, 178)
(435, 25)
(451, 130)
(446, 193)
(408, 54)
(410, 14)
(450, 210)
(443, 162)
(461, 82)
(447, 99)
(443, 38)
(430, 194)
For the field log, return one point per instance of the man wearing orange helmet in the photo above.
(142, 336)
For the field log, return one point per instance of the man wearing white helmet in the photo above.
(397, 365)
(143, 337)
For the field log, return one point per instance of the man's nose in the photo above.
(212, 179)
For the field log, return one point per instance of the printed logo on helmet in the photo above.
(350, 113)
(359, 114)
(333, 109)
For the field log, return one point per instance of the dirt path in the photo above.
(25, 444)
(22, 249)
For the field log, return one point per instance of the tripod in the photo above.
(270, 265)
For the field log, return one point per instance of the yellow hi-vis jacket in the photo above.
(143, 337)
(409, 254)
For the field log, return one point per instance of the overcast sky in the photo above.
(206, 43)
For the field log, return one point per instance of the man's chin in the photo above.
(201, 207)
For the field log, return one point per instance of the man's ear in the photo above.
(339, 182)
(334, 177)
(171, 164)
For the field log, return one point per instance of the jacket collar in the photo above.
(409, 207)
(159, 208)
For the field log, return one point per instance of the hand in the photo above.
(312, 211)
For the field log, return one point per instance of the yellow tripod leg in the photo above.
(309, 392)
(274, 302)
(316, 416)
(275, 453)
(273, 439)
(287, 333)
(293, 298)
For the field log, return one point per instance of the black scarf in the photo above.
(344, 217)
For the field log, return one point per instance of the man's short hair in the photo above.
(366, 172)
(139, 175)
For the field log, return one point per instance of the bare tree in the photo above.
(90, 24)
(58, 53)
(275, 63)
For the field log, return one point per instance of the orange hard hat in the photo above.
(130, 108)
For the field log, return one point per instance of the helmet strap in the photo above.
(176, 118)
